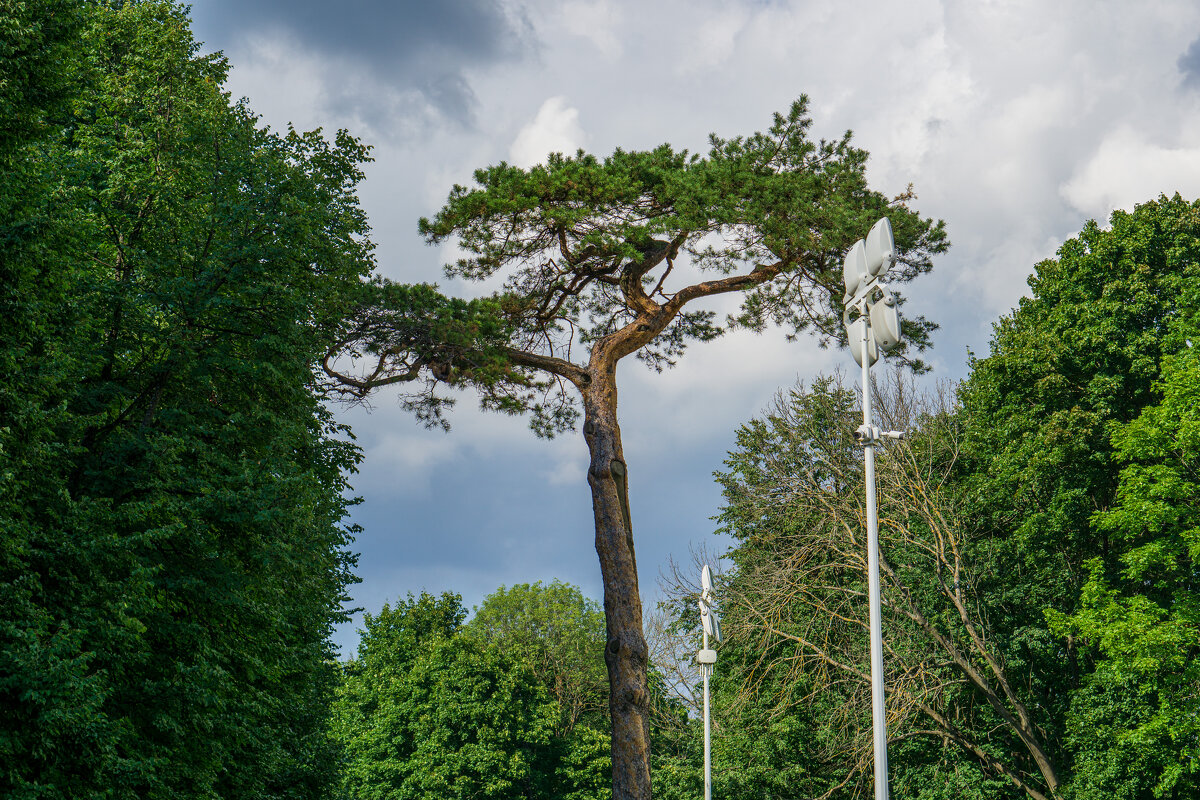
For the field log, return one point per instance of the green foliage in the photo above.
(927, 769)
(36, 40)
(1081, 354)
(483, 729)
(768, 738)
(461, 721)
(771, 196)
(1072, 511)
(758, 751)
(430, 709)
(793, 682)
(1071, 514)
(171, 487)
(1135, 724)
(397, 635)
(365, 722)
(1077, 386)
(412, 332)
(561, 634)
(769, 735)
(584, 765)
(1084, 350)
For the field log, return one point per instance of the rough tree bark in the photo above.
(625, 653)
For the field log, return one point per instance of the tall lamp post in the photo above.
(707, 658)
(876, 328)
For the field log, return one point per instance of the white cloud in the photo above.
(288, 82)
(597, 21)
(555, 129)
(715, 387)
(714, 39)
(403, 457)
(568, 461)
(1128, 169)
(282, 81)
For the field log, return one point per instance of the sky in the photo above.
(1015, 122)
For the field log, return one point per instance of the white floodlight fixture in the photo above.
(708, 617)
(880, 248)
(854, 269)
(854, 336)
(712, 625)
(885, 324)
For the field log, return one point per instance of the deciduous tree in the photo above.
(172, 493)
(1134, 724)
(1061, 440)
(795, 604)
(431, 710)
(561, 634)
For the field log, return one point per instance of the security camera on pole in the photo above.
(876, 328)
(707, 658)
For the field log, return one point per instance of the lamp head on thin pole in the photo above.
(867, 262)
(708, 615)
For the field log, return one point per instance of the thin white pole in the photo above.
(878, 714)
(705, 671)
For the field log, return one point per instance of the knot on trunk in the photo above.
(630, 645)
(636, 696)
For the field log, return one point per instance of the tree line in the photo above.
(174, 546)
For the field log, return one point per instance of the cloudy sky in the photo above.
(1015, 120)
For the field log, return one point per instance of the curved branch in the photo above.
(360, 387)
(759, 275)
(555, 366)
(952, 732)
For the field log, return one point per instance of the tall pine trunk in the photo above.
(625, 653)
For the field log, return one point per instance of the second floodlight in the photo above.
(854, 269)
(854, 337)
(885, 324)
(880, 248)
(708, 617)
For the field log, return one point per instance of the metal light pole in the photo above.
(707, 658)
(876, 328)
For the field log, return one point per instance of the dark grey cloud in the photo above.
(405, 56)
(1189, 65)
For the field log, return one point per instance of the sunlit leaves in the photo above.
(1081, 437)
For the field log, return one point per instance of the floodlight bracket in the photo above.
(866, 435)
(865, 291)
